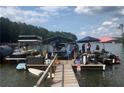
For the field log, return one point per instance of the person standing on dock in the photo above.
(88, 48)
(97, 48)
(75, 51)
(68, 49)
(83, 48)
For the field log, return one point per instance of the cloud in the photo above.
(35, 16)
(83, 33)
(122, 12)
(86, 9)
(107, 23)
(107, 28)
(92, 10)
(101, 28)
(19, 15)
(110, 23)
(53, 10)
(115, 19)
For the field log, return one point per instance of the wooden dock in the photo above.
(58, 77)
(91, 66)
(69, 76)
(64, 76)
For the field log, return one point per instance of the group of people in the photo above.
(87, 49)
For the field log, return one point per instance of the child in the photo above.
(77, 61)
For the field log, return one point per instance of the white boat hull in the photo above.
(36, 72)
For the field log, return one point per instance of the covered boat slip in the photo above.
(29, 38)
(27, 45)
(29, 42)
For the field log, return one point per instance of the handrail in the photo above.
(63, 75)
(39, 82)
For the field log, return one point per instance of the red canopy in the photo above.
(106, 39)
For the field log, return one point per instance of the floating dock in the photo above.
(64, 75)
(66, 78)
(91, 66)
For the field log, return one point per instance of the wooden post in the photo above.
(49, 69)
(63, 75)
(51, 72)
(54, 67)
(103, 67)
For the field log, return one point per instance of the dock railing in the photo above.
(63, 75)
(45, 74)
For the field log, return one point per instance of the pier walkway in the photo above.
(64, 75)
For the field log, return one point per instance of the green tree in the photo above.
(9, 31)
(121, 27)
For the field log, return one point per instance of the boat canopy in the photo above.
(29, 38)
(57, 39)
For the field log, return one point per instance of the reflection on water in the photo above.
(10, 77)
(113, 75)
(96, 78)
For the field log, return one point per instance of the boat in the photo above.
(108, 58)
(111, 59)
(36, 72)
(60, 50)
(5, 51)
(21, 66)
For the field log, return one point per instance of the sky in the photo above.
(96, 21)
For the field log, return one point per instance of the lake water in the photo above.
(10, 77)
(113, 76)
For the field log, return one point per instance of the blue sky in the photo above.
(94, 21)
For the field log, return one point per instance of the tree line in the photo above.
(9, 31)
(121, 27)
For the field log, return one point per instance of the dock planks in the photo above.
(91, 66)
(69, 76)
(65, 77)
(58, 78)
